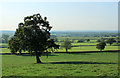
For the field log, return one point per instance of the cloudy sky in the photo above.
(67, 15)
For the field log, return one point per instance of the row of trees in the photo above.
(86, 34)
(101, 45)
(109, 40)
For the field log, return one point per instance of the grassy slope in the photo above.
(76, 65)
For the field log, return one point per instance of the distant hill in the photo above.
(8, 32)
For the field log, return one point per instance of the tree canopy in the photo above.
(101, 45)
(111, 41)
(33, 36)
(66, 44)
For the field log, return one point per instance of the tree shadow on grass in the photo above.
(27, 54)
(79, 53)
(79, 62)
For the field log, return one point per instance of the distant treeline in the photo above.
(86, 34)
(75, 34)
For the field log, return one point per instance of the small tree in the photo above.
(98, 40)
(101, 46)
(66, 44)
(87, 40)
(101, 39)
(117, 39)
(33, 36)
(111, 41)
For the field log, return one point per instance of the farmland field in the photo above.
(81, 47)
(64, 64)
(81, 64)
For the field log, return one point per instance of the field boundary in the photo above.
(90, 51)
(71, 52)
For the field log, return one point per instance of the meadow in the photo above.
(59, 64)
(75, 49)
(64, 64)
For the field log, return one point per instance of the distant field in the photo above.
(3, 44)
(89, 48)
(81, 48)
(84, 43)
(5, 50)
(87, 64)
(78, 38)
(88, 43)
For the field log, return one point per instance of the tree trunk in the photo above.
(110, 44)
(100, 49)
(66, 50)
(20, 52)
(38, 59)
(117, 42)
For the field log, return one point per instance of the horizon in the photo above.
(70, 31)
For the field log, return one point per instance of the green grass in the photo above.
(5, 50)
(88, 48)
(3, 44)
(82, 64)
(78, 38)
(84, 43)
(81, 48)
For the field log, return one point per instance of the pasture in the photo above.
(86, 46)
(62, 64)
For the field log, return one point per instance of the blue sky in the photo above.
(63, 15)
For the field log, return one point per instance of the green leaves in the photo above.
(66, 44)
(101, 46)
(111, 41)
(30, 37)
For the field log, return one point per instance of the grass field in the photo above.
(88, 48)
(84, 43)
(82, 64)
(2, 44)
(81, 48)
(5, 50)
(62, 64)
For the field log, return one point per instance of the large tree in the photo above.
(66, 44)
(33, 36)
